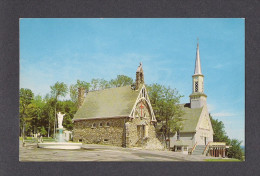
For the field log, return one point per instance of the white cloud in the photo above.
(211, 107)
(223, 114)
(218, 66)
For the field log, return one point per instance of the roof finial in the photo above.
(139, 67)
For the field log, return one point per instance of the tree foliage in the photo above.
(26, 97)
(40, 113)
(121, 80)
(219, 131)
(235, 150)
(74, 89)
(59, 89)
(165, 102)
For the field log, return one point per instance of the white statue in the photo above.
(60, 119)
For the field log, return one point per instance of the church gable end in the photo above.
(142, 106)
(204, 121)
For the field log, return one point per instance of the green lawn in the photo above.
(223, 160)
(31, 139)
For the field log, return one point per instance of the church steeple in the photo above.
(197, 98)
(197, 70)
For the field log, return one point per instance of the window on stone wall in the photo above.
(105, 140)
(93, 125)
(100, 125)
(108, 124)
(179, 148)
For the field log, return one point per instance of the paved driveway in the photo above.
(101, 153)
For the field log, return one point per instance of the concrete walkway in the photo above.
(92, 152)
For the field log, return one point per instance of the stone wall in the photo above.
(112, 133)
(81, 92)
(120, 132)
(133, 138)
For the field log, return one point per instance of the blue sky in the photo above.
(65, 50)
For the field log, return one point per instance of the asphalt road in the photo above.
(101, 153)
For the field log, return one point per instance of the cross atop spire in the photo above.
(197, 70)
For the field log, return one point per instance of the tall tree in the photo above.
(58, 90)
(49, 111)
(39, 104)
(165, 102)
(26, 97)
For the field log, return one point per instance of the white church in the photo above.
(196, 135)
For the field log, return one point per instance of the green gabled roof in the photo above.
(113, 102)
(190, 118)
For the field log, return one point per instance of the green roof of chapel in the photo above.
(190, 118)
(112, 102)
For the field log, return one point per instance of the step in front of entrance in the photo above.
(199, 150)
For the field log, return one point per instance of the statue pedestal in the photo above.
(60, 135)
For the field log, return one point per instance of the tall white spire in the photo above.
(198, 99)
(197, 70)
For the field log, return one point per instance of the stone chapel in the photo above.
(121, 116)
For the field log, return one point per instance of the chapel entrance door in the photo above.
(140, 132)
